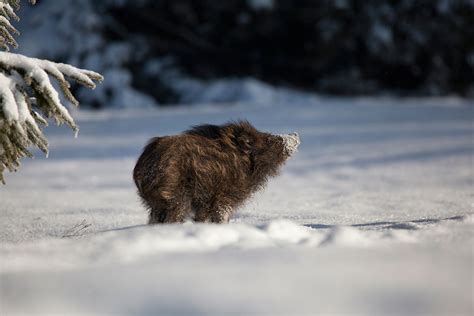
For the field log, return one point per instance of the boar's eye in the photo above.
(271, 139)
(245, 141)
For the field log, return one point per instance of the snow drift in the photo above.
(373, 216)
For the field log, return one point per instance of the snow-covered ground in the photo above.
(373, 215)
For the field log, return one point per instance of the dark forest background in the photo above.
(341, 47)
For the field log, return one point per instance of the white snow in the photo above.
(8, 9)
(291, 142)
(9, 107)
(233, 90)
(373, 215)
(4, 22)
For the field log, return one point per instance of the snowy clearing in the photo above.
(373, 215)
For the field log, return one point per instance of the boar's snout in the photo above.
(291, 142)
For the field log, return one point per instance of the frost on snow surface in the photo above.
(372, 216)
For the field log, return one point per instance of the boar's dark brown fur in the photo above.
(205, 173)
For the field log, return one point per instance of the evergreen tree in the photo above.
(27, 95)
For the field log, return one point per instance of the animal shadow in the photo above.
(406, 225)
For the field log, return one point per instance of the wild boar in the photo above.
(207, 172)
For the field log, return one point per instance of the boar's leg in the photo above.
(157, 217)
(166, 211)
(218, 214)
(221, 214)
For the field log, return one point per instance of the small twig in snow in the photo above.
(76, 230)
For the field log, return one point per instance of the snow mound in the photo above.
(344, 236)
(132, 244)
(241, 90)
(136, 243)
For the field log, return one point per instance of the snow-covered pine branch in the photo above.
(27, 94)
(7, 13)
